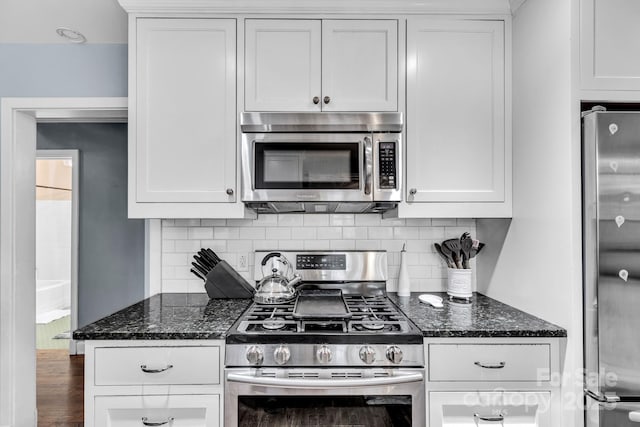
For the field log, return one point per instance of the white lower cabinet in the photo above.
(497, 381)
(173, 383)
(461, 409)
(169, 410)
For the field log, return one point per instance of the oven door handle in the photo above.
(397, 378)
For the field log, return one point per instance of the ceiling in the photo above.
(35, 21)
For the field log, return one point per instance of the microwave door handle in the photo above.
(368, 164)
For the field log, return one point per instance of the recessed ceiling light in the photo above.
(72, 35)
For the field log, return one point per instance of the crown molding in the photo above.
(398, 7)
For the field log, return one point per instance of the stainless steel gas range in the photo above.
(340, 354)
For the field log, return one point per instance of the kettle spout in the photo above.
(295, 280)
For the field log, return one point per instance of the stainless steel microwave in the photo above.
(321, 162)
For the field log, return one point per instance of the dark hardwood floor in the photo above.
(59, 389)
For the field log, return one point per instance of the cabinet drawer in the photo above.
(505, 409)
(172, 410)
(157, 365)
(489, 362)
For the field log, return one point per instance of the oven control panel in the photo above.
(387, 164)
(321, 262)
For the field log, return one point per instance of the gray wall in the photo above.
(111, 247)
(63, 70)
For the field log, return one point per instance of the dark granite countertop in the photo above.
(483, 317)
(195, 316)
(168, 316)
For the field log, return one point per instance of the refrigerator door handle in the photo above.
(602, 398)
(634, 416)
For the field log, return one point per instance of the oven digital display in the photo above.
(321, 262)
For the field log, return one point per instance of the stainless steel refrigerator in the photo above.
(611, 267)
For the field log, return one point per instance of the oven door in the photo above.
(324, 397)
(307, 167)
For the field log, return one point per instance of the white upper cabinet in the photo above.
(282, 65)
(458, 161)
(360, 65)
(610, 44)
(182, 147)
(321, 65)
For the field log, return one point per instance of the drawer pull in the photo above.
(154, 371)
(146, 422)
(488, 418)
(499, 365)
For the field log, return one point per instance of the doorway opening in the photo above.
(56, 248)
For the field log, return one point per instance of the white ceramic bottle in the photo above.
(404, 285)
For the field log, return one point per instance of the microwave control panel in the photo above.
(387, 161)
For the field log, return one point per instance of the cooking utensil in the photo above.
(203, 262)
(476, 250)
(198, 274)
(466, 244)
(447, 259)
(200, 269)
(276, 288)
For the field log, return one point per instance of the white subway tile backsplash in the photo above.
(213, 222)
(278, 233)
(232, 238)
(290, 220)
(266, 220)
(175, 259)
(315, 220)
(215, 245)
(175, 232)
(341, 219)
(368, 245)
(200, 233)
(252, 233)
(330, 233)
(186, 222)
(443, 222)
(380, 232)
(226, 233)
(356, 233)
(168, 246)
(190, 246)
(304, 233)
(342, 245)
(367, 219)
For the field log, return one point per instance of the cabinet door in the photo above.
(184, 148)
(172, 410)
(610, 44)
(473, 409)
(282, 65)
(359, 65)
(455, 111)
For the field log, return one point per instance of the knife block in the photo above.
(225, 282)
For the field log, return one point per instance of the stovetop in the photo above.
(372, 320)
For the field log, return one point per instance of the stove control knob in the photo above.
(255, 355)
(324, 354)
(394, 354)
(282, 354)
(368, 354)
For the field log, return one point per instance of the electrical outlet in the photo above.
(243, 263)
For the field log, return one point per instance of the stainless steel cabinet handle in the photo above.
(146, 422)
(634, 416)
(413, 191)
(498, 365)
(327, 100)
(230, 191)
(316, 100)
(155, 371)
(488, 418)
(368, 164)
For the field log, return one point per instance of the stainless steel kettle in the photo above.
(277, 287)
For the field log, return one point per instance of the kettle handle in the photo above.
(269, 256)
